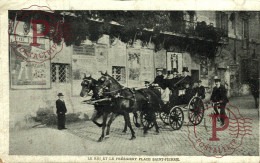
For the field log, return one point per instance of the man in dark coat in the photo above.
(200, 90)
(172, 81)
(61, 110)
(159, 79)
(219, 94)
(184, 80)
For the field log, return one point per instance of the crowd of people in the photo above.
(178, 85)
(179, 89)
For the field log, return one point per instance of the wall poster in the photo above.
(24, 74)
(174, 60)
(134, 65)
(101, 53)
(147, 65)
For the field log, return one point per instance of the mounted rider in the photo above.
(219, 94)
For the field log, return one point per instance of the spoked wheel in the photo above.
(176, 118)
(145, 119)
(195, 110)
(164, 117)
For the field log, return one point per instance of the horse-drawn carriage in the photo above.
(111, 97)
(172, 114)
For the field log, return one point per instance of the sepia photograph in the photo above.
(133, 85)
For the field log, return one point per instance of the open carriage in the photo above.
(172, 112)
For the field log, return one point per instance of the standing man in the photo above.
(219, 94)
(61, 110)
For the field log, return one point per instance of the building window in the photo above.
(118, 73)
(60, 73)
(222, 21)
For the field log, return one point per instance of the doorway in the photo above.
(195, 75)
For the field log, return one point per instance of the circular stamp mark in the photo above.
(44, 25)
(218, 140)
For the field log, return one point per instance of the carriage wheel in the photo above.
(176, 118)
(195, 110)
(164, 117)
(145, 118)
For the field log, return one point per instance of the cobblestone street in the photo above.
(81, 138)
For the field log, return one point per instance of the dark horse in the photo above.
(124, 101)
(89, 84)
(254, 87)
(145, 100)
(105, 107)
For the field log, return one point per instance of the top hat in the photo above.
(60, 94)
(175, 70)
(170, 72)
(146, 82)
(217, 79)
(199, 81)
(185, 69)
(159, 69)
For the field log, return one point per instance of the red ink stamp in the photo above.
(37, 34)
(223, 130)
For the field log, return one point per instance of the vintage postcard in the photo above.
(129, 81)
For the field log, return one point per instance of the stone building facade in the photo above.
(133, 64)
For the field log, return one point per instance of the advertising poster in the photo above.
(147, 65)
(134, 65)
(27, 75)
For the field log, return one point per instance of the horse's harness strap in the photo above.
(144, 94)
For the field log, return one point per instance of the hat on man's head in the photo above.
(146, 82)
(175, 70)
(169, 72)
(185, 69)
(216, 79)
(159, 69)
(199, 81)
(60, 94)
(87, 77)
